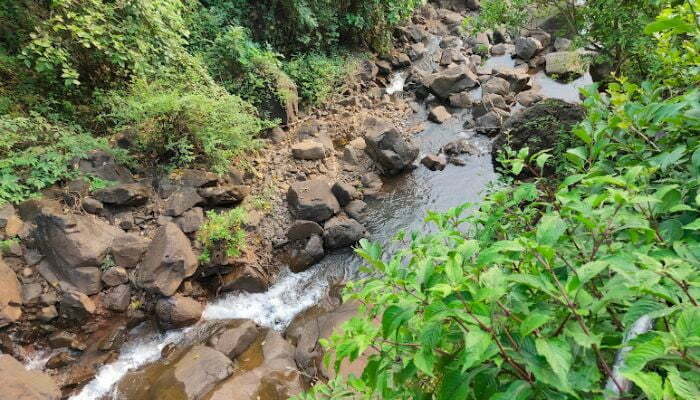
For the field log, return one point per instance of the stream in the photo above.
(404, 204)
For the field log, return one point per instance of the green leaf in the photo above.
(683, 388)
(693, 226)
(688, 323)
(517, 390)
(393, 317)
(550, 229)
(649, 382)
(533, 321)
(425, 360)
(558, 355)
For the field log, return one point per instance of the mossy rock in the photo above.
(546, 125)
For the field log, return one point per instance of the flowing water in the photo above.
(403, 205)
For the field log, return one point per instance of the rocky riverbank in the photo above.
(84, 266)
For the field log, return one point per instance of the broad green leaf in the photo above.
(644, 352)
(393, 317)
(425, 360)
(684, 389)
(688, 323)
(649, 382)
(558, 355)
(550, 229)
(533, 321)
(693, 226)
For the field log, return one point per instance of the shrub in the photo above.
(184, 125)
(224, 232)
(35, 154)
(317, 76)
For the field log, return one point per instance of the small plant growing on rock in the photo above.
(222, 232)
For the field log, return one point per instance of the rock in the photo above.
(31, 293)
(562, 44)
(76, 306)
(47, 314)
(526, 47)
(308, 149)
(517, 79)
(74, 247)
(439, 115)
(460, 100)
(491, 122)
(193, 178)
(472, 5)
(434, 163)
(452, 80)
(92, 206)
(115, 276)
(340, 232)
(416, 51)
(367, 70)
(492, 101)
(60, 359)
(177, 312)
(496, 85)
(19, 383)
(355, 209)
(182, 200)
(566, 63)
(167, 262)
(345, 193)
(541, 36)
(312, 200)
(528, 98)
(501, 49)
(65, 339)
(245, 278)
(277, 135)
(191, 220)
(7, 211)
(10, 296)
(388, 147)
(100, 164)
(303, 229)
(400, 60)
(114, 339)
(224, 195)
(125, 194)
(301, 258)
(117, 298)
(235, 338)
(13, 226)
(384, 67)
(539, 127)
(128, 250)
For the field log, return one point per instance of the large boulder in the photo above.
(19, 383)
(10, 296)
(126, 194)
(182, 200)
(306, 253)
(312, 200)
(388, 147)
(177, 312)
(452, 80)
(167, 262)
(497, 86)
(342, 232)
(309, 149)
(224, 195)
(546, 125)
(74, 247)
(235, 338)
(527, 47)
(128, 250)
(76, 306)
(566, 64)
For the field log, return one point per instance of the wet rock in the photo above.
(303, 257)
(345, 193)
(92, 206)
(60, 359)
(400, 60)
(541, 126)
(434, 162)
(308, 149)
(496, 85)
(10, 296)
(74, 247)
(117, 298)
(191, 220)
(528, 98)
(388, 147)
(460, 146)
(491, 122)
(340, 232)
(177, 312)
(562, 44)
(439, 115)
(115, 276)
(167, 262)
(566, 64)
(128, 250)
(355, 209)
(452, 80)
(18, 383)
(303, 229)
(76, 306)
(460, 100)
(235, 338)
(224, 195)
(182, 200)
(126, 194)
(114, 339)
(65, 339)
(416, 51)
(371, 183)
(245, 278)
(312, 200)
(527, 47)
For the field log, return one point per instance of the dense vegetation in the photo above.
(537, 293)
(180, 83)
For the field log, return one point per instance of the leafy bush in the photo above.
(317, 76)
(183, 125)
(223, 231)
(586, 288)
(35, 154)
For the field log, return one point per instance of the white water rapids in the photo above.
(274, 309)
